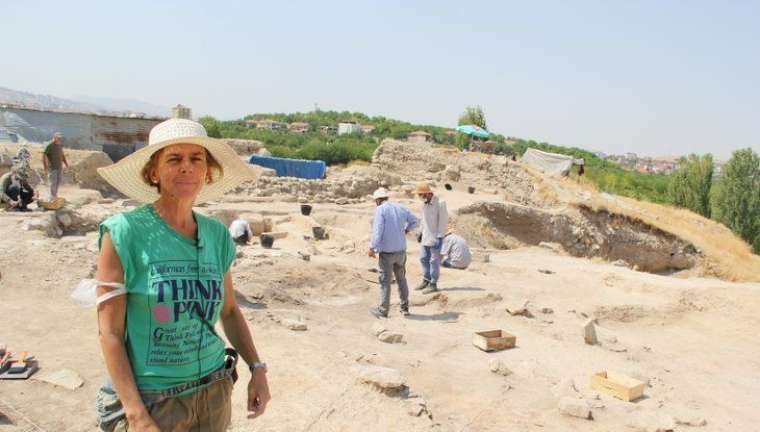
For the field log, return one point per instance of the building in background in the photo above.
(419, 137)
(367, 129)
(117, 136)
(299, 127)
(349, 128)
(267, 124)
(183, 112)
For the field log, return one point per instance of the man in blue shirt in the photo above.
(389, 228)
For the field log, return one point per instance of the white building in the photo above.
(349, 128)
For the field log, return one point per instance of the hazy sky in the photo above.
(653, 77)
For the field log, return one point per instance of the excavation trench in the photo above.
(581, 231)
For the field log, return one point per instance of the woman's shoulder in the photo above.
(122, 221)
(212, 224)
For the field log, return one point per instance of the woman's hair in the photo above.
(214, 169)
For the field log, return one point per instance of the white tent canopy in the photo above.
(550, 163)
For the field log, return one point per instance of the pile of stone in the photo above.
(341, 190)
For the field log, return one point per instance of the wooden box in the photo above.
(493, 340)
(618, 385)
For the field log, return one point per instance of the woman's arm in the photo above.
(236, 329)
(111, 325)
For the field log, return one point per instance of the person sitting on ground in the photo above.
(240, 230)
(164, 283)
(15, 190)
(390, 225)
(455, 252)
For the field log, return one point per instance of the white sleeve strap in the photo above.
(120, 290)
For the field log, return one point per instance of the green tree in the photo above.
(737, 204)
(473, 116)
(212, 126)
(690, 185)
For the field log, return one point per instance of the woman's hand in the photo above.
(258, 393)
(143, 423)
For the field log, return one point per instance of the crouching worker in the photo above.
(164, 282)
(15, 191)
(455, 252)
(240, 230)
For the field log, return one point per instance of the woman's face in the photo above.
(181, 170)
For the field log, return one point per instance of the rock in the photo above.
(416, 407)
(47, 223)
(620, 263)
(498, 367)
(589, 332)
(554, 247)
(294, 325)
(520, 310)
(382, 377)
(304, 255)
(390, 337)
(378, 328)
(452, 173)
(341, 201)
(546, 310)
(546, 271)
(65, 378)
(693, 422)
(575, 408)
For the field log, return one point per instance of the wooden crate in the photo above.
(618, 385)
(494, 340)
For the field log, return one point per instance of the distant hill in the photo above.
(129, 105)
(82, 104)
(46, 102)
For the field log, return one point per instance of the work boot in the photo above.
(378, 313)
(405, 311)
(432, 287)
(423, 285)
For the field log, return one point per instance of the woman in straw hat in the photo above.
(169, 369)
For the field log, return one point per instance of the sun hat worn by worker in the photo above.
(380, 194)
(126, 176)
(423, 188)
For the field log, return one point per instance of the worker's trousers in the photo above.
(392, 264)
(430, 259)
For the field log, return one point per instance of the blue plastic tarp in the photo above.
(305, 169)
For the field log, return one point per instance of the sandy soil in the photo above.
(693, 340)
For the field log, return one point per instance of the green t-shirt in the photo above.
(54, 154)
(175, 293)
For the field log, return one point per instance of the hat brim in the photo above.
(126, 177)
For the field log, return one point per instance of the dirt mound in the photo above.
(583, 233)
(446, 165)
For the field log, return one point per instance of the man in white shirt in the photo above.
(240, 230)
(435, 221)
(455, 252)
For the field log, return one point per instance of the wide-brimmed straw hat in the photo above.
(423, 188)
(126, 176)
